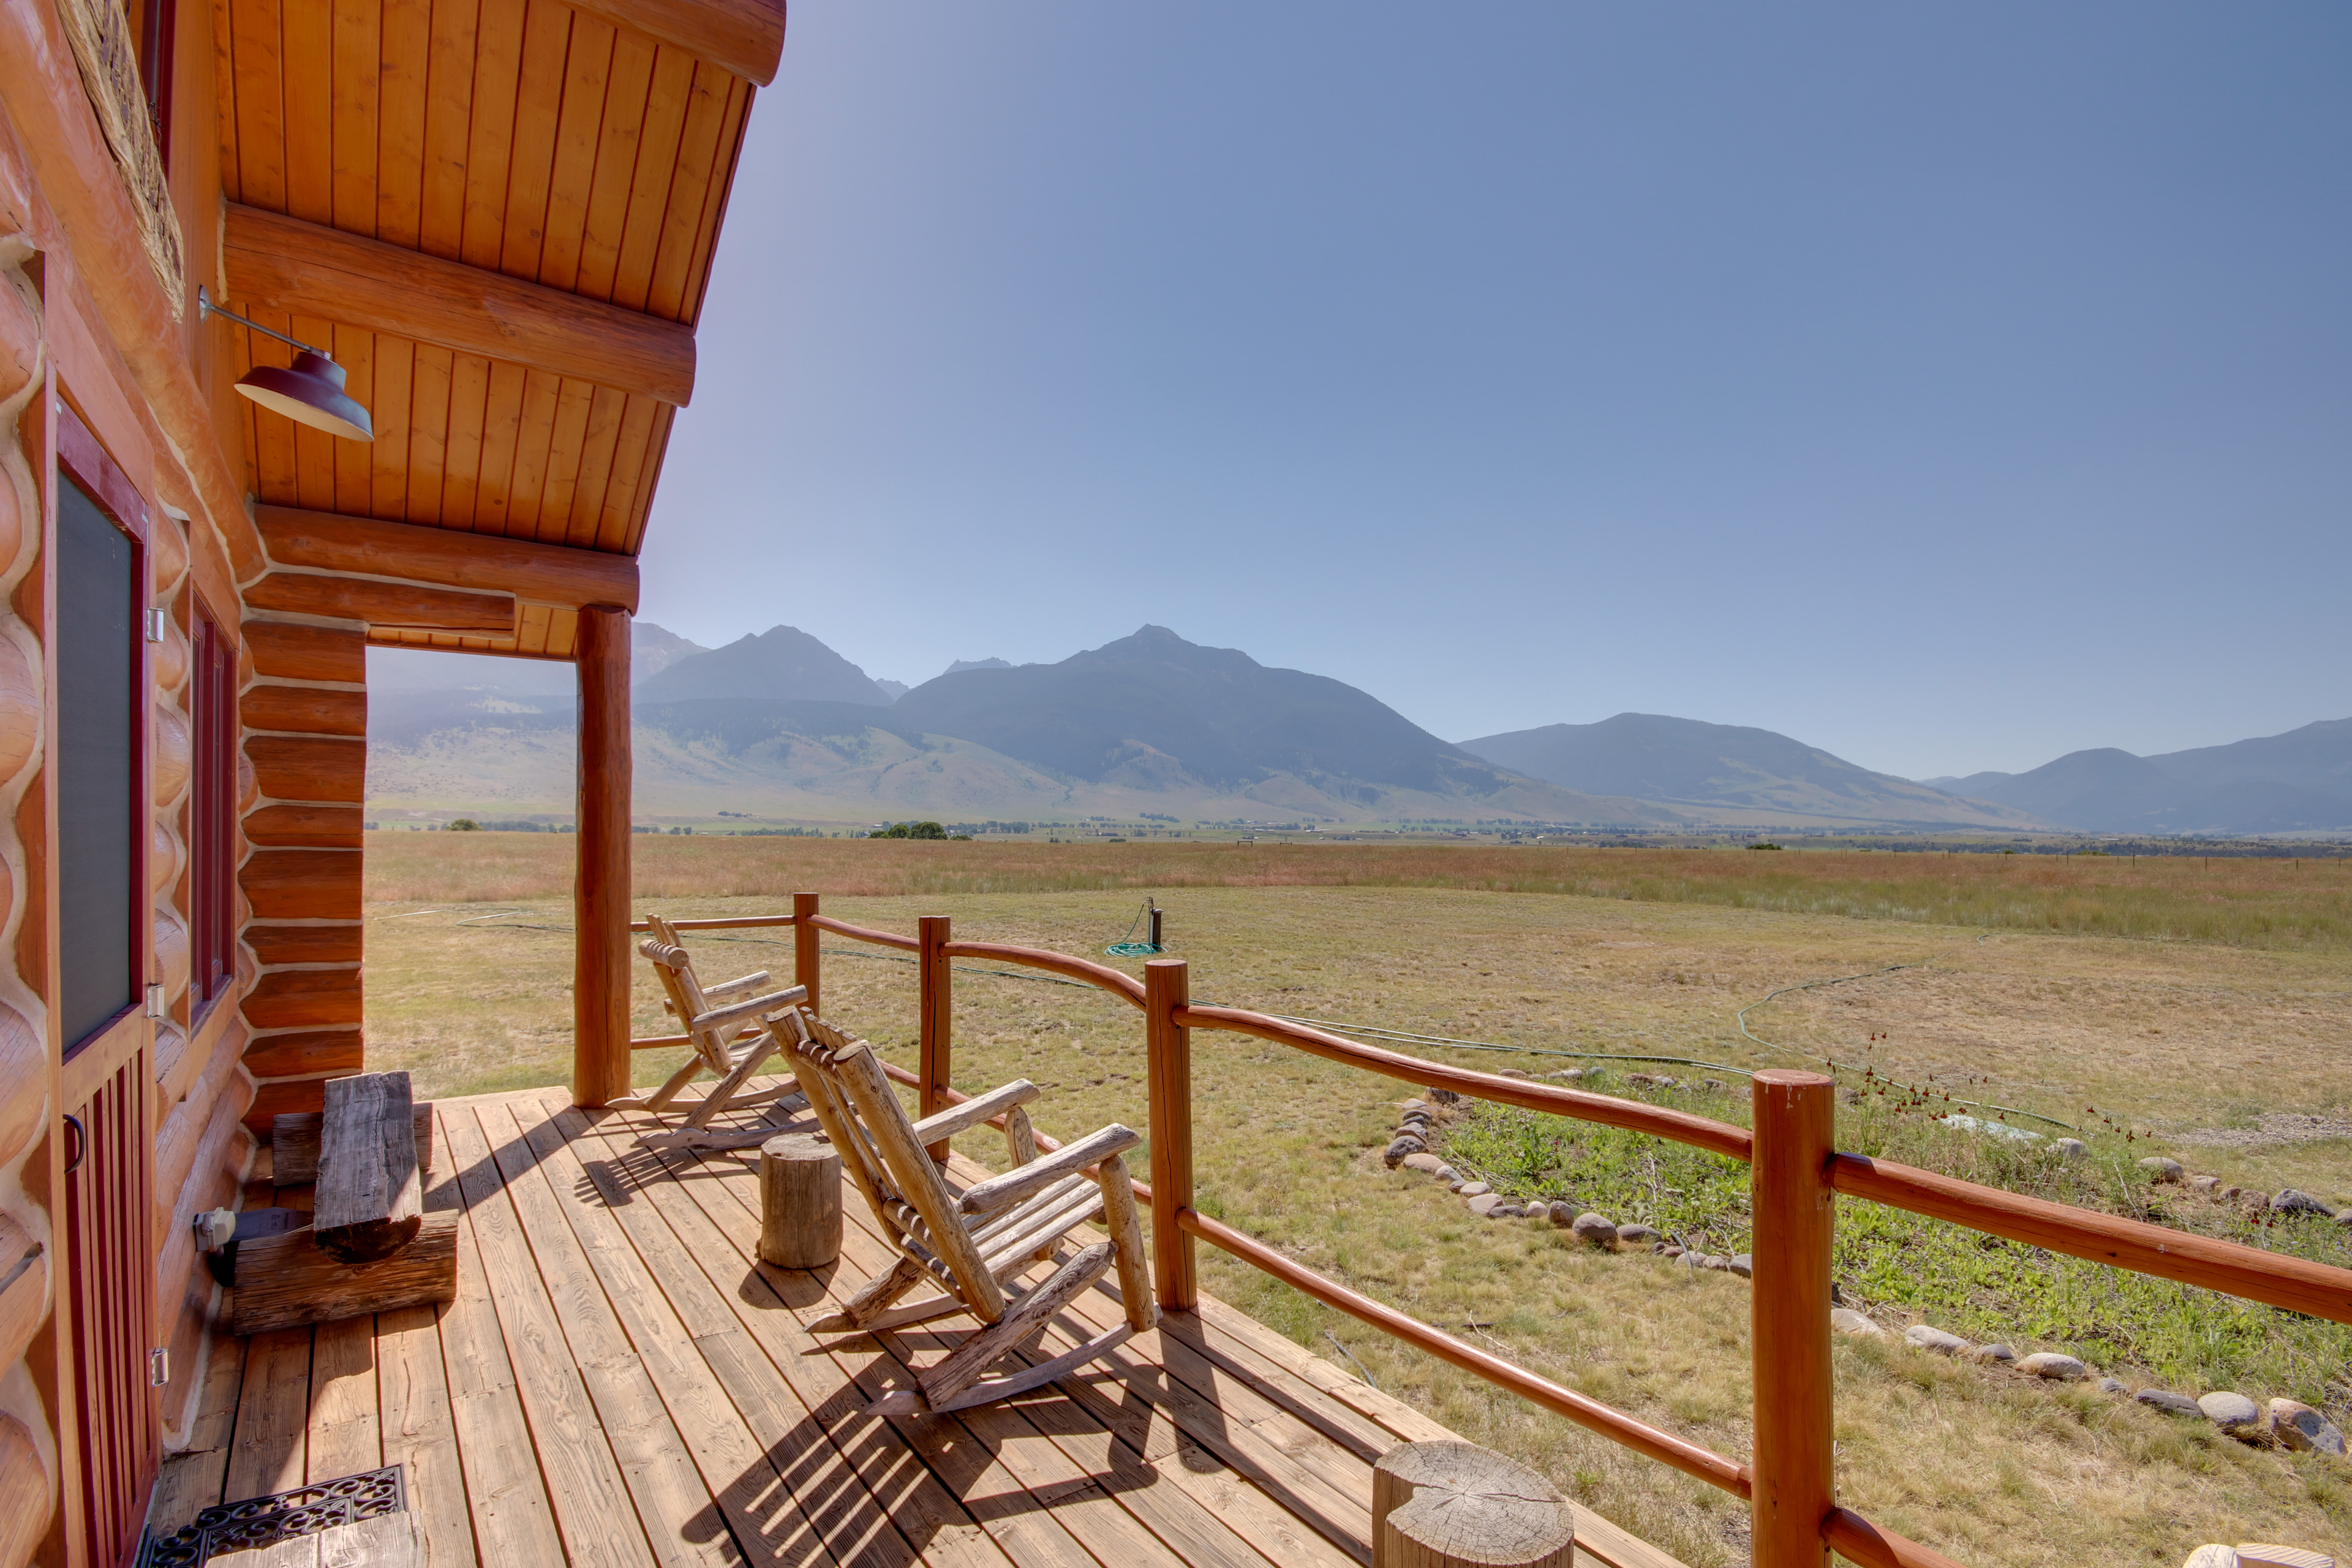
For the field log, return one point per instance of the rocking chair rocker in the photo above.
(971, 1245)
(730, 1039)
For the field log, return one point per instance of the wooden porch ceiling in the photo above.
(567, 167)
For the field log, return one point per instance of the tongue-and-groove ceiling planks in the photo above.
(523, 137)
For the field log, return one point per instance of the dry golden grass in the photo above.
(1973, 1461)
(2268, 903)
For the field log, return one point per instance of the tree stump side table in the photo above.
(800, 1200)
(1456, 1505)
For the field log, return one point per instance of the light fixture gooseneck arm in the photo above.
(205, 307)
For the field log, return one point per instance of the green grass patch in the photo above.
(1982, 1287)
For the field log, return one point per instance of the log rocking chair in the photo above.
(971, 1245)
(730, 1039)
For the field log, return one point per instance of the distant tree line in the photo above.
(917, 830)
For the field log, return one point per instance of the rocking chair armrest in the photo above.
(955, 1119)
(727, 988)
(996, 1191)
(750, 1007)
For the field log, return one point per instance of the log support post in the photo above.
(1167, 1071)
(1793, 1484)
(804, 953)
(600, 991)
(938, 1015)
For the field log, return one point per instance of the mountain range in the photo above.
(1760, 774)
(780, 662)
(1150, 722)
(2298, 782)
(779, 725)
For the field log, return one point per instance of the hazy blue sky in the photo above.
(1951, 387)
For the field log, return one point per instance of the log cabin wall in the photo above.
(305, 717)
(503, 223)
(86, 322)
(28, 1448)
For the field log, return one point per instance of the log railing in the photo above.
(1794, 1174)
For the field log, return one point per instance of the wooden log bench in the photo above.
(294, 1144)
(370, 1245)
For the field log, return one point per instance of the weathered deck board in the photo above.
(620, 1381)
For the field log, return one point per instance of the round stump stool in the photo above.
(800, 1200)
(1456, 1505)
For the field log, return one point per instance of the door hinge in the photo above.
(159, 1366)
(157, 620)
(156, 1001)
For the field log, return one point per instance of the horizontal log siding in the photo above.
(305, 714)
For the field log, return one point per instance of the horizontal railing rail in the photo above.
(1664, 1446)
(1715, 1137)
(1788, 1483)
(2273, 1278)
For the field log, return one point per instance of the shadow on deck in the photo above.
(620, 1382)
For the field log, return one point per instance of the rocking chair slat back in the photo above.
(859, 1160)
(714, 1017)
(906, 1189)
(676, 973)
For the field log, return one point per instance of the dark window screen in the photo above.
(97, 763)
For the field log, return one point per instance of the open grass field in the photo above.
(2206, 1012)
(2249, 902)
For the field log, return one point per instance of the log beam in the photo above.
(540, 573)
(600, 990)
(289, 652)
(380, 603)
(281, 263)
(286, 1281)
(24, 1505)
(302, 884)
(746, 37)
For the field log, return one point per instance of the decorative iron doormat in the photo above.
(281, 1516)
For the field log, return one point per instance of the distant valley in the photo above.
(779, 727)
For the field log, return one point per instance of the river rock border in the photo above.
(2282, 1423)
(2162, 1171)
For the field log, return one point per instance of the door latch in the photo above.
(157, 620)
(159, 1366)
(156, 1001)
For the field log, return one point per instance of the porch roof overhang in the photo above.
(499, 217)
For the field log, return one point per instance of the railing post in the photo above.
(804, 953)
(1167, 1071)
(932, 1065)
(1794, 1484)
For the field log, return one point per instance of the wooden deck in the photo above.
(619, 1382)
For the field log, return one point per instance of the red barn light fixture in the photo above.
(310, 391)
